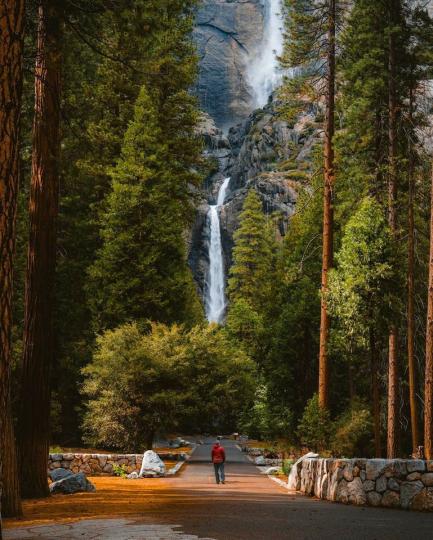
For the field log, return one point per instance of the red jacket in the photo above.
(218, 454)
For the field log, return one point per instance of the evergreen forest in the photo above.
(326, 340)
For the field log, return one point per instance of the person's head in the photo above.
(217, 443)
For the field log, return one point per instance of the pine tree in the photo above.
(251, 273)
(378, 73)
(312, 44)
(361, 293)
(11, 61)
(108, 57)
(140, 271)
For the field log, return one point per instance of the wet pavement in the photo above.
(249, 506)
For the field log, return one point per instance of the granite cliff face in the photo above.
(265, 152)
(228, 34)
(253, 147)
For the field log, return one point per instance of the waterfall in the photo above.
(215, 295)
(264, 73)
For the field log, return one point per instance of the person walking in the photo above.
(218, 460)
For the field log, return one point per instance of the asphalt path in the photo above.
(249, 506)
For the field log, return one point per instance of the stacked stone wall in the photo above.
(102, 464)
(406, 484)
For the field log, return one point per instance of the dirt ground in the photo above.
(113, 497)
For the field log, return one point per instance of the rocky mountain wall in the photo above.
(253, 147)
(228, 33)
(264, 152)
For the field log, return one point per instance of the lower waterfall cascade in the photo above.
(215, 290)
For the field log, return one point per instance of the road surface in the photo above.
(249, 506)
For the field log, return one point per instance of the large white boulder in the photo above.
(152, 464)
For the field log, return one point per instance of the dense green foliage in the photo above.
(364, 285)
(141, 383)
(129, 323)
(368, 284)
(140, 271)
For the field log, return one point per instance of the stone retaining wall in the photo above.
(102, 464)
(395, 483)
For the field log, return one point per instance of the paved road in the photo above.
(249, 506)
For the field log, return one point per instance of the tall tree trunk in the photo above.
(392, 218)
(328, 210)
(43, 209)
(11, 55)
(375, 393)
(428, 391)
(411, 301)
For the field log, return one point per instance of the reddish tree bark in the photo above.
(43, 210)
(328, 210)
(428, 390)
(411, 302)
(375, 393)
(392, 449)
(11, 54)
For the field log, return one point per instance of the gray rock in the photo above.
(368, 485)
(393, 485)
(408, 490)
(260, 460)
(356, 492)
(227, 33)
(423, 501)
(59, 474)
(72, 484)
(374, 468)
(427, 479)
(348, 472)
(381, 484)
(56, 457)
(413, 476)
(342, 492)
(390, 499)
(397, 468)
(373, 498)
(415, 465)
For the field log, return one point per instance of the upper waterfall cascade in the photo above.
(215, 294)
(264, 73)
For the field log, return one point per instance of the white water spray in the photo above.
(215, 296)
(264, 73)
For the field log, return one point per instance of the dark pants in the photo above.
(219, 472)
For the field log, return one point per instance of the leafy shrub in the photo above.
(353, 432)
(265, 421)
(314, 429)
(120, 470)
(141, 383)
(287, 466)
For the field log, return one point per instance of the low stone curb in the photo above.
(281, 483)
(174, 470)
